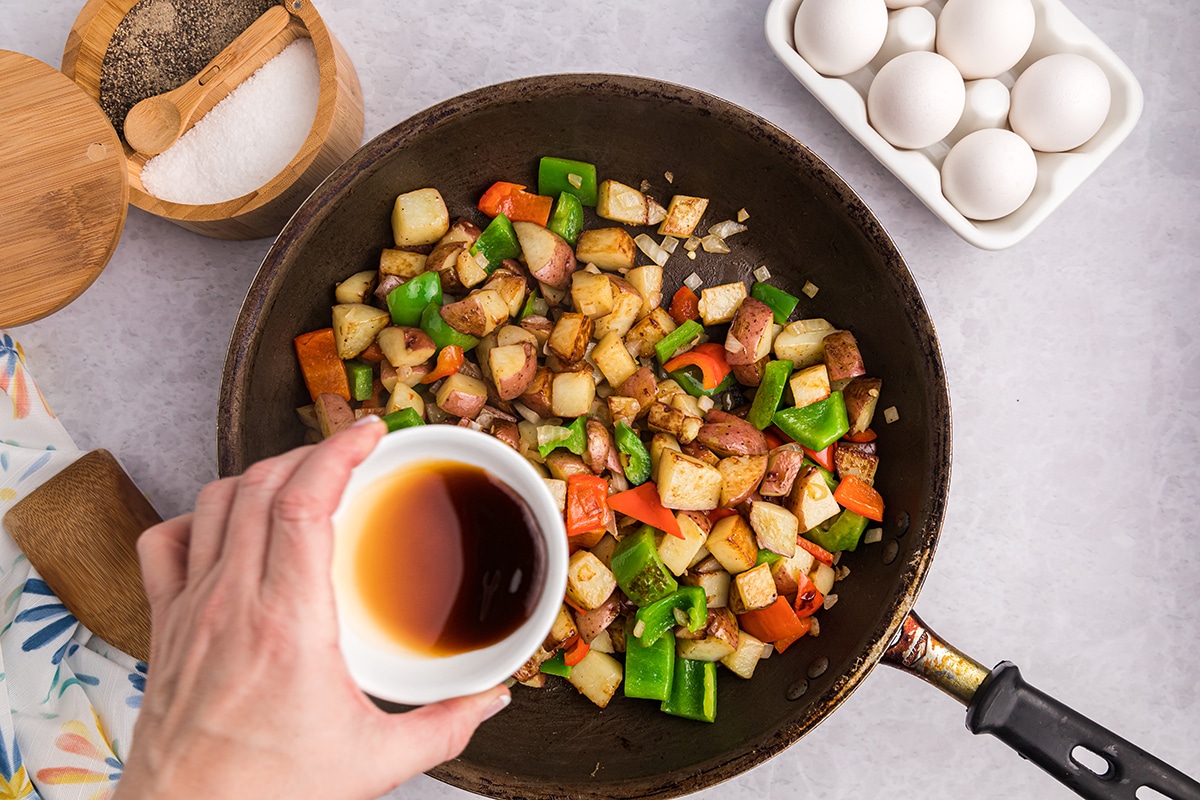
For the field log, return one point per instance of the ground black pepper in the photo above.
(161, 44)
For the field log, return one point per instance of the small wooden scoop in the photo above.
(157, 122)
(79, 530)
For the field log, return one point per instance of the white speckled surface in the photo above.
(1070, 542)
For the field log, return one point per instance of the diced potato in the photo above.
(787, 571)
(571, 393)
(742, 661)
(357, 288)
(463, 231)
(401, 263)
(718, 304)
(750, 334)
(782, 468)
(810, 500)
(687, 404)
(842, 356)
(627, 305)
(710, 648)
(529, 671)
(512, 288)
(355, 326)
(752, 589)
(677, 553)
(740, 476)
(558, 490)
(683, 214)
(513, 334)
(333, 414)
(419, 217)
(775, 528)
(462, 395)
(665, 418)
(537, 397)
(469, 270)
(597, 677)
(621, 203)
(591, 294)
(563, 464)
(687, 483)
(859, 462)
(512, 368)
(658, 443)
(649, 331)
(550, 259)
(613, 359)
(732, 544)
(589, 582)
(570, 337)
(404, 396)
(604, 549)
(861, 396)
(603, 642)
(404, 346)
(803, 342)
(562, 629)
(715, 585)
(641, 386)
(822, 576)
(809, 385)
(477, 314)
(607, 248)
(647, 281)
(623, 409)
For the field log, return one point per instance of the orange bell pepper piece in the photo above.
(857, 495)
(575, 653)
(587, 510)
(685, 305)
(323, 371)
(808, 599)
(708, 357)
(773, 623)
(861, 437)
(511, 200)
(816, 551)
(643, 504)
(449, 361)
(822, 457)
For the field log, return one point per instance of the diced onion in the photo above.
(549, 434)
(810, 289)
(639, 629)
(482, 260)
(670, 176)
(681, 617)
(768, 648)
(814, 627)
(575, 180)
(830, 600)
(541, 307)
(693, 282)
(726, 228)
(872, 535)
(743, 215)
(528, 414)
(890, 415)
(714, 244)
(669, 243)
(691, 244)
(645, 186)
(762, 274)
(692, 255)
(651, 249)
(706, 403)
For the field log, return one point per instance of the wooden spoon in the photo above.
(157, 122)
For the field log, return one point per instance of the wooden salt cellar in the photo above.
(336, 132)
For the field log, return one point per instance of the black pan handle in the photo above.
(1058, 739)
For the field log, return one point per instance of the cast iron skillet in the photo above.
(805, 225)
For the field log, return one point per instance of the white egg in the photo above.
(989, 174)
(1059, 102)
(905, 3)
(838, 37)
(909, 29)
(985, 38)
(986, 107)
(916, 99)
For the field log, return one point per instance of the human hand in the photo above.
(248, 694)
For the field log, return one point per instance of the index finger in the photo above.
(300, 541)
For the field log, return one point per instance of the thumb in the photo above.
(423, 738)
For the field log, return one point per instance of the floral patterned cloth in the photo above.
(68, 700)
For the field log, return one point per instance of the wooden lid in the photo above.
(63, 189)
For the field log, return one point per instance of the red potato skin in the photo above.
(729, 435)
(514, 386)
(599, 446)
(641, 386)
(842, 357)
(750, 374)
(591, 624)
(697, 450)
(750, 324)
(782, 468)
(506, 431)
(537, 397)
(461, 404)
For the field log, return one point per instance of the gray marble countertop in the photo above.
(1069, 546)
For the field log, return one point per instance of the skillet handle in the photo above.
(1038, 727)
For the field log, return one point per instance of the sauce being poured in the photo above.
(450, 559)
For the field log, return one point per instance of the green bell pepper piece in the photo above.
(497, 242)
(527, 309)
(555, 177)
(404, 418)
(575, 442)
(686, 334)
(693, 690)
(770, 392)
(639, 570)
(442, 332)
(766, 556)
(567, 218)
(815, 426)
(780, 302)
(843, 534)
(635, 458)
(659, 617)
(649, 671)
(692, 382)
(361, 377)
(408, 300)
(557, 665)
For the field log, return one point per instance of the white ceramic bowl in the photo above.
(1056, 30)
(390, 672)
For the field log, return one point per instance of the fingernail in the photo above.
(498, 705)
(367, 420)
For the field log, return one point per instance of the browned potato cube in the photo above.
(752, 589)
(687, 483)
(861, 396)
(462, 396)
(678, 553)
(404, 396)
(607, 248)
(540, 327)
(842, 356)
(732, 544)
(537, 397)
(511, 287)
(589, 582)
(641, 386)
(809, 385)
(623, 409)
(715, 585)
(550, 259)
(419, 217)
(570, 337)
(621, 203)
(591, 293)
(740, 476)
(333, 414)
(787, 571)
(513, 334)
(782, 468)
(649, 331)
(403, 264)
(775, 528)
(403, 346)
(859, 461)
(477, 314)
(729, 435)
(572, 393)
(470, 270)
(463, 231)
(355, 326)
(750, 334)
(718, 304)
(627, 305)
(647, 282)
(597, 677)
(810, 500)
(750, 374)
(613, 359)
(357, 288)
(562, 629)
(743, 661)
(683, 215)
(563, 465)
(658, 443)
(512, 369)
(708, 648)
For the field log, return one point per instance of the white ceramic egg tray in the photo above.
(1059, 174)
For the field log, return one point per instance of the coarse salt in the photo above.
(246, 139)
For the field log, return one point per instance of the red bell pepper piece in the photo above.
(373, 353)
(857, 495)
(685, 305)
(587, 510)
(511, 200)
(773, 623)
(708, 357)
(449, 361)
(774, 438)
(808, 599)
(861, 437)
(323, 371)
(823, 457)
(783, 644)
(643, 504)
(575, 652)
(816, 551)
